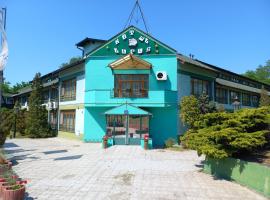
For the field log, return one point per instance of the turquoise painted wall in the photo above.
(94, 124)
(163, 124)
(162, 96)
(99, 75)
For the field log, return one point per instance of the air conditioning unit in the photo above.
(55, 105)
(161, 75)
(49, 105)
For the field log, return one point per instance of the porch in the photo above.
(127, 125)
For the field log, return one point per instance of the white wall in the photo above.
(79, 122)
(80, 89)
(79, 117)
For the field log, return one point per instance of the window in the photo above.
(234, 95)
(67, 121)
(131, 85)
(221, 95)
(199, 86)
(54, 94)
(45, 96)
(68, 90)
(53, 119)
(246, 99)
(255, 100)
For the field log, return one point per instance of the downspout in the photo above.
(58, 107)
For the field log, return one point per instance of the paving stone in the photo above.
(64, 169)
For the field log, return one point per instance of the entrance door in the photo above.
(127, 132)
(138, 127)
(117, 128)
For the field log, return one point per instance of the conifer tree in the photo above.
(205, 105)
(37, 118)
(264, 99)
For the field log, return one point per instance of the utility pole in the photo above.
(3, 24)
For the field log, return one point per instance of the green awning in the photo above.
(126, 109)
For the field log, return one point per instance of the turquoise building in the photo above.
(130, 86)
(124, 98)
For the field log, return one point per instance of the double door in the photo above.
(127, 129)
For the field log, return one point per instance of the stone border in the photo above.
(252, 175)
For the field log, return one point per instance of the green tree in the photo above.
(20, 119)
(189, 110)
(15, 88)
(262, 73)
(205, 105)
(37, 120)
(71, 60)
(7, 88)
(264, 98)
(6, 123)
(221, 135)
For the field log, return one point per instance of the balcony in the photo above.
(151, 98)
(129, 93)
(68, 98)
(67, 128)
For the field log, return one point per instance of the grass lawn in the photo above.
(70, 136)
(176, 148)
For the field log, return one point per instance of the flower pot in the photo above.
(105, 141)
(15, 192)
(105, 144)
(3, 186)
(21, 182)
(145, 143)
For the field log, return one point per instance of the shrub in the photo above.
(6, 122)
(20, 119)
(220, 135)
(264, 98)
(37, 125)
(189, 110)
(205, 106)
(170, 142)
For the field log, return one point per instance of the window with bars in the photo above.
(199, 86)
(131, 85)
(67, 121)
(221, 95)
(68, 90)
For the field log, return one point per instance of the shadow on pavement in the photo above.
(11, 151)
(27, 197)
(53, 152)
(69, 157)
(10, 145)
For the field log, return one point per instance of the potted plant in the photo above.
(7, 183)
(4, 169)
(14, 192)
(146, 139)
(105, 141)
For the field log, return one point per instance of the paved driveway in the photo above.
(63, 169)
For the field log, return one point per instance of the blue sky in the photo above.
(41, 34)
